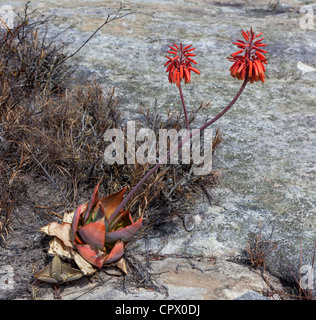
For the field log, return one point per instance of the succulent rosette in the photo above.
(98, 238)
(93, 232)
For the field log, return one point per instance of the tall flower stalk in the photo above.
(248, 64)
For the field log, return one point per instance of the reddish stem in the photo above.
(228, 107)
(164, 159)
(184, 107)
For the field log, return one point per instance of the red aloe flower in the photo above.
(249, 60)
(180, 66)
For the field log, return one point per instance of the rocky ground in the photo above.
(267, 160)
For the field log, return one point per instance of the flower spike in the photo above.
(249, 60)
(180, 66)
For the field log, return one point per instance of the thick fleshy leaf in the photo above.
(78, 240)
(58, 272)
(112, 201)
(92, 255)
(93, 201)
(116, 253)
(107, 225)
(61, 231)
(93, 234)
(79, 211)
(70, 274)
(124, 234)
(123, 220)
(98, 212)
(93, 213)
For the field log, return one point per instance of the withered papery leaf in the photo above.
(121, 264)
(61, 231)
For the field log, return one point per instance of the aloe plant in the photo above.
(95, 234)
(91, 235)
(98, 238)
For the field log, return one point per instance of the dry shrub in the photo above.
(30, 62)
(9, 192)
(258, 249)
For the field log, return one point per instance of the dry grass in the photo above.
(30, 62)
(300, 292)
(258, 249)
(255, 256)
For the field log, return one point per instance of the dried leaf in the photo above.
(121, 264)
(61, 231)
(68, 217)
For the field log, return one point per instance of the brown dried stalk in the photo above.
(259, 249)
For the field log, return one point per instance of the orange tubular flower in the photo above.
(249, 59)
(180, 66)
